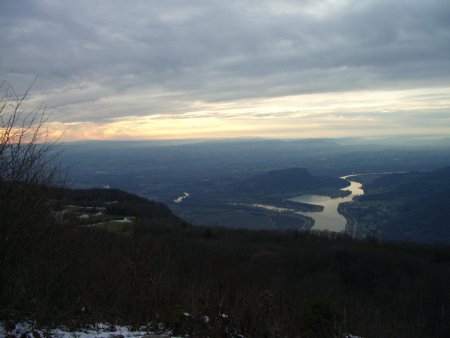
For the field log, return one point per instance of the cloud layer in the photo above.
(102, 62)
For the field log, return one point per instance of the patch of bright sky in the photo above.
(360, 113)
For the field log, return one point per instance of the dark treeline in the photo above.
(259, 284)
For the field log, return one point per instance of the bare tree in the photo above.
(25, 149)
(27, 167)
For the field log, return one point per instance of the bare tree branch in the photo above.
(28, 166)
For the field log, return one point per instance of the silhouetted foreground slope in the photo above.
(255, 283)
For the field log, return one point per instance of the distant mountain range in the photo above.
(287, 181)
(163, 170)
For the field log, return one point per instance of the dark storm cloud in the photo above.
(164, 55)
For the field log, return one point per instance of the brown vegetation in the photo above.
(261, 284)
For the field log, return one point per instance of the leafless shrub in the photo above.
(27, 167)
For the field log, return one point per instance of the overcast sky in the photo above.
(205, 68)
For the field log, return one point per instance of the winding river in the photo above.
(330, 219)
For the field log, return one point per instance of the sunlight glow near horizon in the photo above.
(363, 113)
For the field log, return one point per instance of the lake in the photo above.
(330, 219)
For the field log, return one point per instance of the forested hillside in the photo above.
(255, 283)
(418, 205)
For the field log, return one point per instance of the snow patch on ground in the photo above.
(181, 198)
(29, 330)
(97, 331)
